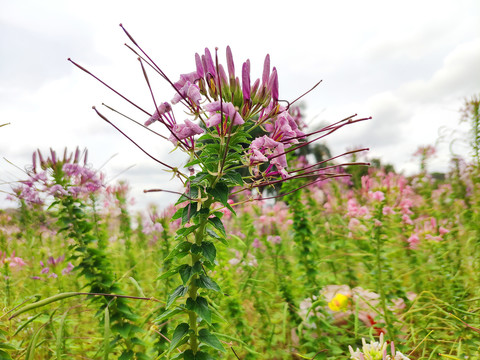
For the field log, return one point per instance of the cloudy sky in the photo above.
(408, 64)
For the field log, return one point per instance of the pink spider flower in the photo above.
(12, 261)
(184, 131)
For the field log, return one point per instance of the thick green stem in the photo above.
(193, 288)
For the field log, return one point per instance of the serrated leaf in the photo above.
(200, 178)
(233, 177)
(185, 272)
(178, 214)
(179, 291)
(196, 249)
(220, 192)
(203, 356)
(126, 355)
(189, 355)
(168, 273)
(193, 162)
(202, 309)
(197, 267)
(205, 282)
(184, 231)
(179, 251)
(209, 251)
(188, 212)
(218, 237)
(217, 223)
(211, 340)
(168, 314)
(213, 234)
(206, 136)
(191, 193)
(180, 331)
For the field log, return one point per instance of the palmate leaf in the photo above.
(211, 340)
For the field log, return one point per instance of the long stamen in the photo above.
(333, 158)
(320, 137)
(108, 86)
(155, 103)
(325, 128)
(301, 187)
(146, 153)
(154, 64)
(291, 103)
(167, 191)
(135, 121)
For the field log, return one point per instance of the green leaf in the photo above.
(220, 192)
(205, 282)
(233, 178)
(202, 309)
(4, 355)
(197, 267)
(179, 251)
(196, 249)
(126, 355)
(203, 356)
(168, 273)
(215, 221)
(185, 272)
(211, 340)
(178, 214)
(123, 329)
(200, 178)
(184, 231)
(206, 136)
(209, 251)
(30, 354)
(180, 331)
(188, 212)
(213, 234)
(218, 237)
(179, 291)
(168, 314)
(188, 355)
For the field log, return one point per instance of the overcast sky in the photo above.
(408, 64)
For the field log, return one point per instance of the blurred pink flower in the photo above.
(377, 195)
(413, 240)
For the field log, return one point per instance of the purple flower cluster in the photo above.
(230, 104)
(50, 267)
(58, 177)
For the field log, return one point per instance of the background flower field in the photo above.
(303, 277)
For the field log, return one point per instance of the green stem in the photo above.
(193, 288)
(380, 289)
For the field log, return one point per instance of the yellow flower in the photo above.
(339, 303)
